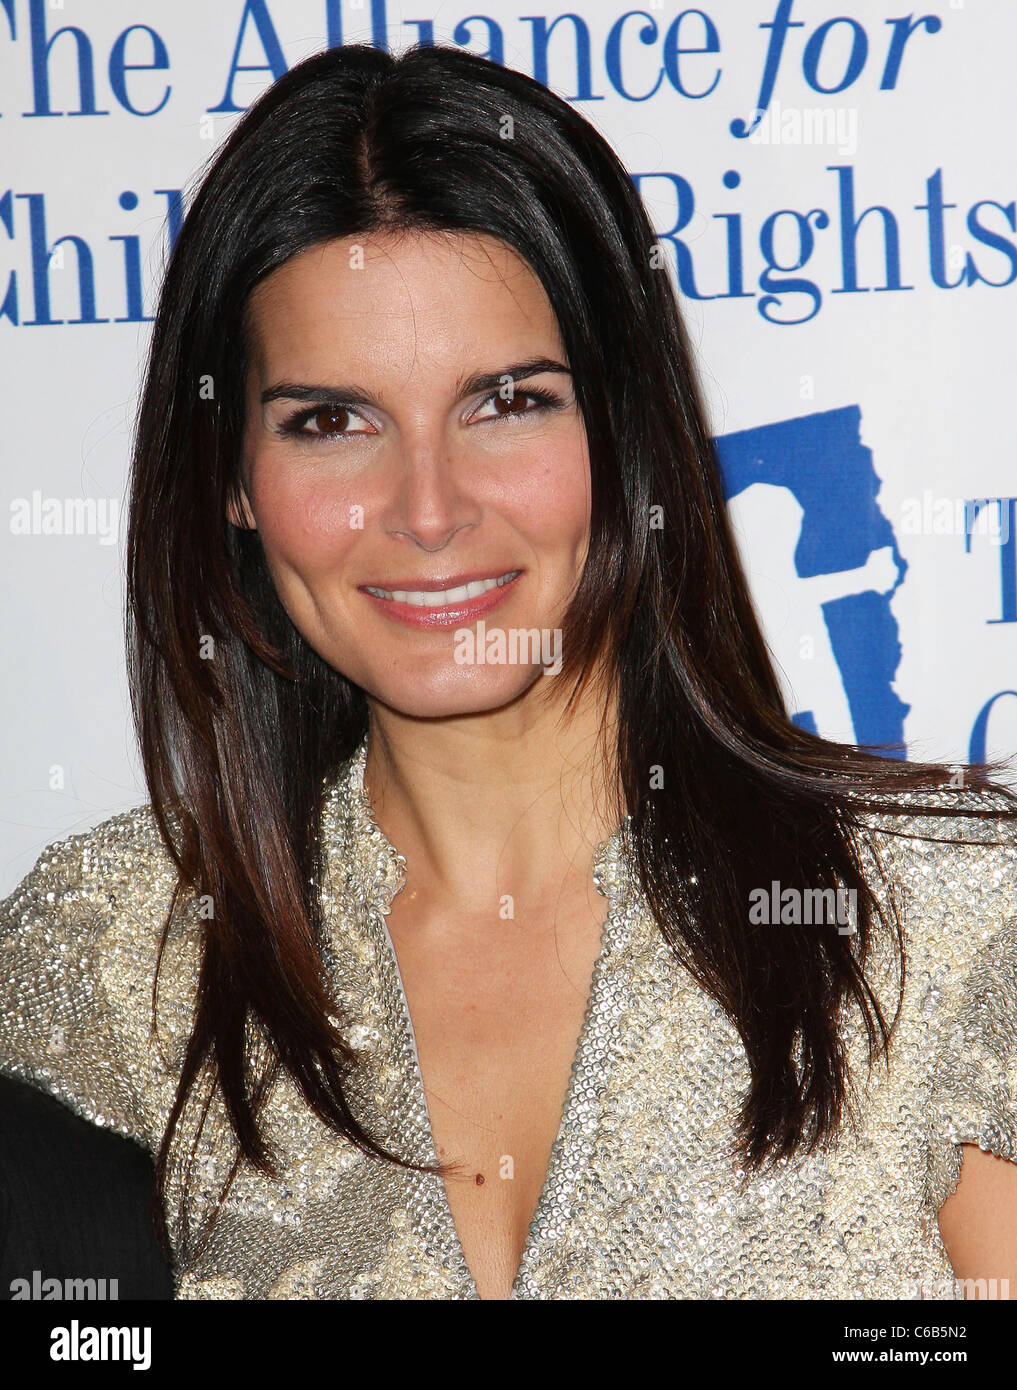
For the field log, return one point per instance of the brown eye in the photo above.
(331, 420)
(515, 406)
(324, 424)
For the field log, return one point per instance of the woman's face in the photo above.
(382, 472)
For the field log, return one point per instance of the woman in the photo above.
(427, 550)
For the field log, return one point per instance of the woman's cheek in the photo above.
(552, 500)
(307, 523)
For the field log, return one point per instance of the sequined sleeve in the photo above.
(78, 939)
(974, 1095)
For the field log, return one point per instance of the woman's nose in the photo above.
(430, 504)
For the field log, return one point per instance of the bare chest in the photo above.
(496, 1017)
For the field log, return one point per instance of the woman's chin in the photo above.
(444, 694)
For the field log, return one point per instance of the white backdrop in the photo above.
(859, 376)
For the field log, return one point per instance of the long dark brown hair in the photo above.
(236, 749)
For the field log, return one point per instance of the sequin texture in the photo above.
(641, 1197)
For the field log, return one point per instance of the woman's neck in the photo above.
(519, 796)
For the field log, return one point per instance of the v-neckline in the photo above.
(612, 878)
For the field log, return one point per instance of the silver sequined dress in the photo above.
(640, 1199)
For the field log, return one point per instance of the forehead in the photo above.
(394, 300)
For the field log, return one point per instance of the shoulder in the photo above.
(958, 879)
(108, 889)
(952, 866)
(79, 943)
(970, 815)
(125, 851)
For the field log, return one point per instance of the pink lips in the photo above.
(456, 615)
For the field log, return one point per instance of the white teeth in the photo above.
(442, 598)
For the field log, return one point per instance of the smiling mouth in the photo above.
(443, 598)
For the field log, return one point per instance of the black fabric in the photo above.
(75, 1199)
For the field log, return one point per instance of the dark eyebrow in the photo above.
(480, 381)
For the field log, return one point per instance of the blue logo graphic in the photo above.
(823, 564)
